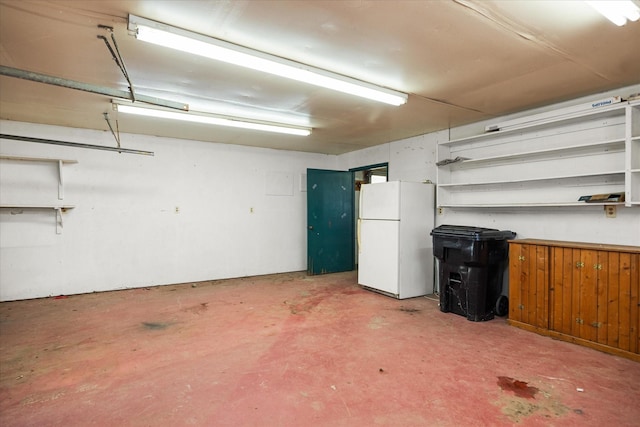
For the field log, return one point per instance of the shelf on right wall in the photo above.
(546, 163)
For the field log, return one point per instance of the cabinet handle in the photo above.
(579, 321)
(520, 257)
(579, 264)
(597, 266)
(521, 306)
(596, 324)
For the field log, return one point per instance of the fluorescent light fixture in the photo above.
(210, 119)
(617, 11)
(197, 44)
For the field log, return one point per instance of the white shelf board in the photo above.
(617, 109)
(576, 148)
(547, 178)
(521, 205)
(36, 159)
(43, 206)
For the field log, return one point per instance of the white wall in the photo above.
(125, 231)
(240, 212)
(412, 159)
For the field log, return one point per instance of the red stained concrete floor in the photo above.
(293, 350)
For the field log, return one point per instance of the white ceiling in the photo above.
(460, 61)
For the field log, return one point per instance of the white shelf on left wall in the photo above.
(60, 162)
(59, 209)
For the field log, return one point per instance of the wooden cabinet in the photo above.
(579, 292)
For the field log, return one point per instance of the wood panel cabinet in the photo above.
(579, 292)
(529, 301)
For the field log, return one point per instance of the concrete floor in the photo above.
(293, 350)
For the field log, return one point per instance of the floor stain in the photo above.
(197, 309)
(307, 304)
(409, 310)
(517, 409)
(377, 322)
(519, 388)
(521, 401)
(155, 325)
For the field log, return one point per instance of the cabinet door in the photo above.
(529, 284)
(579, 293)
(590, 280)
(623, 318)
(561, 315)
(594, 296)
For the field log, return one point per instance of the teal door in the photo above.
(330, 222)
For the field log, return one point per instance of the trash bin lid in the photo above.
(472, 233)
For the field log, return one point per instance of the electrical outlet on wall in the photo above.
(610, 211)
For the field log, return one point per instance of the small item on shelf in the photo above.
(449, 161)
(601, 198)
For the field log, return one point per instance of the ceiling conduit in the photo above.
(75, 144)
(87, 87)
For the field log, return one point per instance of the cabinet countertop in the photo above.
(579, 245)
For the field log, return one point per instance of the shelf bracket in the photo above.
(60, 181)
(59, 224)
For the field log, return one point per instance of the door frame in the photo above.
(356, 201)
(364, 168)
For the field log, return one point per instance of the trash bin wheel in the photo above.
(502, 306)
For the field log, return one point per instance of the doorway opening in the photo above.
(366, 175)
(370, 174)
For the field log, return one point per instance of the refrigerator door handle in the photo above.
(360, 212)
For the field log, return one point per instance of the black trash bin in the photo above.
(471, 262)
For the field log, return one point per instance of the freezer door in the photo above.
(378, 261)
(380, 200)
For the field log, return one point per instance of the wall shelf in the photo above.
(532, 205)
(600, 146)
(603, 112)
(60, 162)
(59, 209)
(541, 178)
(547, 163)
(43, 206)
(37, 159)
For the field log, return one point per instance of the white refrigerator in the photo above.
(395, 249)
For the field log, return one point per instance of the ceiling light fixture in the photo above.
(197, 44)
(617, 11)
(210, 119)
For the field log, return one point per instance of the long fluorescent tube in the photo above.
(617, 11)
(210, 120)
(197, 44)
